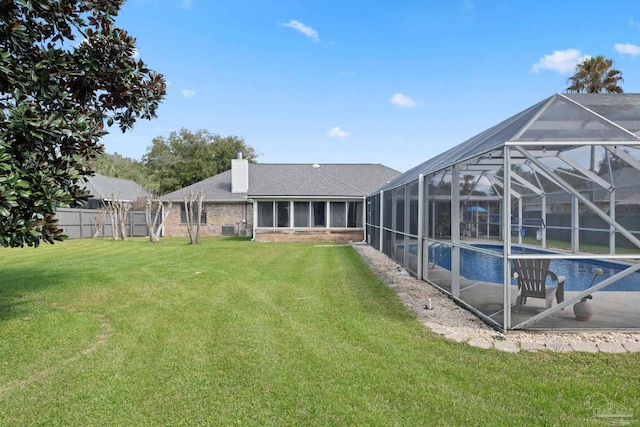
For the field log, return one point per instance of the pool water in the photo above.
(579, 273)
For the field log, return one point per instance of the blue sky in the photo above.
(364, 81)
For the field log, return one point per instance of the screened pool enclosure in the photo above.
(555, 188)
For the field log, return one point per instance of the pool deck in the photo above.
(612, 311)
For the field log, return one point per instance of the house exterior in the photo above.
(103, 188)
(282, 202)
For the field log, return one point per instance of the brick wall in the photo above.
(309, 235)
(218, 214)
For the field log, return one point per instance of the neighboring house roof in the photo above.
(626, 181)
(633, 199)
(104, 187)
(294, 180)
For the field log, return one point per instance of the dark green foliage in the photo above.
(56, 95)
(118, 166)
(184, 158)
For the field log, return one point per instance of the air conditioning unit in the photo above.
(245, 232)
(228, 230)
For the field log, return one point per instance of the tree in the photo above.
(56, 96)
(152, 219)
(611, 162)
(595, 75)
(193, 214)
(119, 166)
(98, 222)
(184, 158)
(118, 211)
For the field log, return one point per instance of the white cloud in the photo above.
(307, 31)
(336, 132)
(628, 48)
(562, 61)
(403, 101)
(188, 93)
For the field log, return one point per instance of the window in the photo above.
(265, 214)
(183, 214)
(319, 214)
(374, 210)
(301, 214)
(399, 195)
(283, 214)
(354, 214)
(413, 208)
(338, 214)
(387, 206)
(310, 214)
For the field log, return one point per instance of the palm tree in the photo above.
(595, 75)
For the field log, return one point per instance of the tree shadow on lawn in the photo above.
(19, 286)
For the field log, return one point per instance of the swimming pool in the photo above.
(578, 272)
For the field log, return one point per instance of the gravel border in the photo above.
(448, 319)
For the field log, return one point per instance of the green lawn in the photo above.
(105, 333)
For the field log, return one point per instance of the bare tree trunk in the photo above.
(118, 210)
(98, 222)
(122, 215)
(154, 233)
(188, 210)
(111, 208)
(200, 197)
(193, 212)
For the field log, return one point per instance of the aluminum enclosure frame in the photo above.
(567, 158)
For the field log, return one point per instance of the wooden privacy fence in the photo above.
(81, 223)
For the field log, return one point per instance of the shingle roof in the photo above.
(102, 187)
(295, 180)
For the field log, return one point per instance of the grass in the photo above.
(232, 332)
